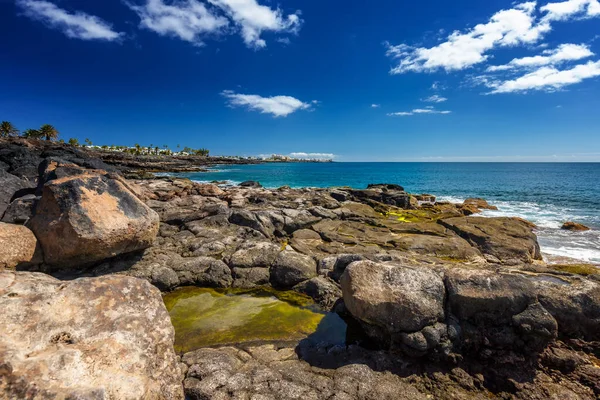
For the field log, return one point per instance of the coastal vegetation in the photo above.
(50, 133)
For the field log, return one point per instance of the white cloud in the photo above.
(566, 10)
(416, 111)
(520, 25)
(279, 106)
(564, 52)
(253, 19)
(547, 78)
(187, 20)
(192, 20)
(77, 25)
(435, 99)
(400, 114)
(438, 86)
(319, 156)
(375, 105)
(515, 26)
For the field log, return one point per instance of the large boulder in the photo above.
(91, 338)
(18, 246)
(509, 240)
(393, 297)
(291, 268)
(89, 217)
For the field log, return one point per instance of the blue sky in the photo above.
(396, 81)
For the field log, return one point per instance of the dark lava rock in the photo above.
(20, 210)
(385, 186)
(250, 184)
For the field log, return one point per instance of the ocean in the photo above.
(547, 194)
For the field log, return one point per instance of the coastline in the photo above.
(433, 299)
(547, 210)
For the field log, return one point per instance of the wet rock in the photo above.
(204, 272)
(20, 210)
(89, 217)
(393, 297)
(88, 338)
(250, 184)
(291, 268)
(508, 239)
(574, 227)
(18, 246)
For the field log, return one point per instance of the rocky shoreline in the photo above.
(442, 303)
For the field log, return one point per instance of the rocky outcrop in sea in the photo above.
(438, 303)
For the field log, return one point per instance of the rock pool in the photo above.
(207, 317)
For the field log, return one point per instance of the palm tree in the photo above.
(48, 132)
(32, 133)
(7, 129)
(74, 142)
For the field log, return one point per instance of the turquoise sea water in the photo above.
(547, 194)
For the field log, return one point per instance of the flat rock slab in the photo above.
(93, 338)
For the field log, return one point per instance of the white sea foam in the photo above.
(587, 255)
(584, 246)
(216, 169)
(451, 199)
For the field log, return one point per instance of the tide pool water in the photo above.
(207, 317)
(548, 194)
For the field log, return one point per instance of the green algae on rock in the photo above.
(207, 317)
